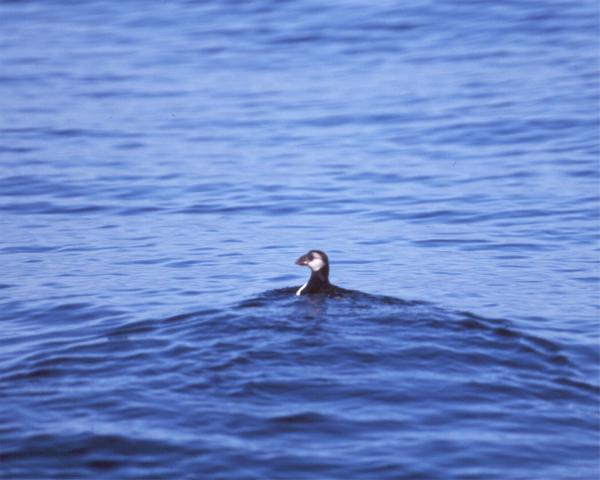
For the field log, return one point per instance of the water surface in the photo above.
(163, 164)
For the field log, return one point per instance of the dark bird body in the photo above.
(318, 262)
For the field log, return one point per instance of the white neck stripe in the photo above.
(299, 292)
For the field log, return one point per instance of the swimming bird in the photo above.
(318, 262)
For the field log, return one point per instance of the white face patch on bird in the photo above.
(316, 263)
(313, 260)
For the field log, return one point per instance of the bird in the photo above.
(318, 262)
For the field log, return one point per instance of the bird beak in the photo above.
(302, 261)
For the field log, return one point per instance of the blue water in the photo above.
(162, 164)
